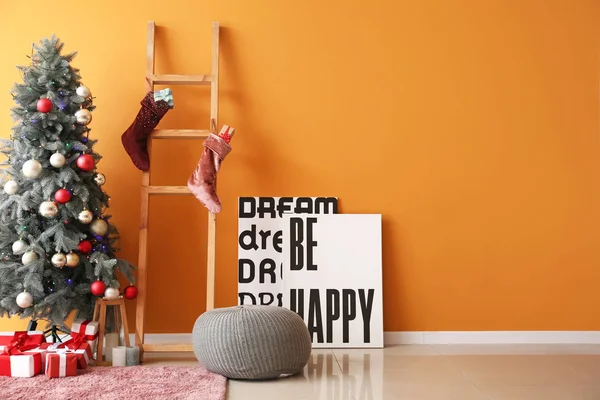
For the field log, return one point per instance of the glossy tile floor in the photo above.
(447, 372)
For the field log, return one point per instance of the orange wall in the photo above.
(471, 126)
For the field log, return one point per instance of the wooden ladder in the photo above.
(148, 190)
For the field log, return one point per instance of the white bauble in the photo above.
(11, 187)
(85, 217)
(29, 257)
(19, 246)
(111, 293)
(99, 227)
(83, 116)
(83, 91)
(59, 260)
(24, 300)
(32, 168)
(72, 260)
(57, 160)
(100, 179)
(48, 209)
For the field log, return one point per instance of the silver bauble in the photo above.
(83, 116)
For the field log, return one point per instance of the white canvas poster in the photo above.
(332, 277)
(260, 227)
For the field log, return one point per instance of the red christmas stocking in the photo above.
(203, 181)
(134, 138)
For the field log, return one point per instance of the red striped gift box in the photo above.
(61, 363)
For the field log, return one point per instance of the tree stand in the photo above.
(53, 331)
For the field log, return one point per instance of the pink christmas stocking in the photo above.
(203, 181)
(135, 137)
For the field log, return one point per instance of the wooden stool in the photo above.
(100, 315)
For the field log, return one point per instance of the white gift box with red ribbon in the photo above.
(23, 365)
(87, 328)
(20, 355)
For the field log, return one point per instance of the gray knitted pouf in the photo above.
(251, 342)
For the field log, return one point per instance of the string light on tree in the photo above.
(48, 285)
(11, 187)
(63, 100)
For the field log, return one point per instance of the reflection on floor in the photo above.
(449, 372)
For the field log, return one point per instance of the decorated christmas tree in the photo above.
(57, 245)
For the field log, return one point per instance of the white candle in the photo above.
(111, 340)
(133, 355)
(119, 356)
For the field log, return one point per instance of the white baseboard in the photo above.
(174, 338)
(493, 337)
(443, 337)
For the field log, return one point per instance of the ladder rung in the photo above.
(171, 348)
(167, 190)
(180, 134)
(181, 79)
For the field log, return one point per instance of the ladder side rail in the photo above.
(143, 235)
(212, 218)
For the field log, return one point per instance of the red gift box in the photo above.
(23, 338)
(17, 361)
(77, 345)
(60, 363)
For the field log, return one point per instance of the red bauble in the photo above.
(62, 196)
(130, 292)
(84, 247)
(98, 288)
(44, 105)
(86, 162)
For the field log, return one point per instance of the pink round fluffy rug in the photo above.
(130, 383)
